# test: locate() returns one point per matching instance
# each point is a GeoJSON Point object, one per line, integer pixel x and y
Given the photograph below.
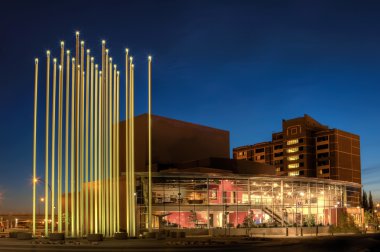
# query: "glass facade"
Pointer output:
{"type": "Point", "coordinates": [203, 201]}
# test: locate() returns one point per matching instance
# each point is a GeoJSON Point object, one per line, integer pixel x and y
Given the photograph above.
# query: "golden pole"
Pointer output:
{"type": "Point", "coordinates": [102, 139]}
{"type": "Point", "coordinates": [150, 142]}
{"type": "Point", "coordinates": [130, 149]}
{"type": "Point", "coordinates": [53, 148]}
{"type": "Point", "coordinates": [100, 148]}
{"type": "Point", "coordinates": [106, 219]}
{"type": "Point", "coordinates": [110, 150]}
{"type": "Point", "coordinates": [47, 144]}
{"type": "Point", "coordinates": [78, 74]}
{"type": "Point", "coordinates": [117, 153]}
{"type": "Point", "coordinates": [114, 148]}
{"type": "Point", "coordinates": [87, 111]}
{"type": "Point", "coordinates": [59, 148]}
{"type": "Point", "coordinates": [60, 112]}
{"type": "Point", "coordinates": [126, 142]}
{"type": "Point", "coordinates": [92, 147]}
{"type": "Point", "coordinates": [72, 157]}
{"type": "Point", "coordinates": [35, 143]}
{"type": "Point", "coordinates": [67, 144]}
{"type": "Point", "coordinates": [96, 166]}
{"type": "Point", "coordinates": [82, 155]}
{"type": "Point", "coordinates": [133, 217]}
{"type": "Point", "coordinates": [77, 151]}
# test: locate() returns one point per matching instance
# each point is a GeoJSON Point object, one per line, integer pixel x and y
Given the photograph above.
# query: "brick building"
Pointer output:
{"type": "Point", "coordinates": [307, 148]}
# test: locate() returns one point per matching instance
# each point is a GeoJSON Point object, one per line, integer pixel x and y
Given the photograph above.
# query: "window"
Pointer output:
{"type": "Point", "coordinates": [292, 158]}
{"type": "Point", "coordinates": [324, 171]}
{"type": "Point", "coordinates": [302, 164]}
{"type": "Point", "coordinates": [259, 150]}
{"type": "Point", "coordinates": [322, 147]}
{"type": "Point", "coordinates": [293, 166]}
{"type": "Point", "coordinates": [241, 153]}
{"type": "Point", "coordinates": [322, 138]}
{"type": "Point", "coordinates": [278, 147]}
{"type": "Point", "coordinates": [302, 172]}
{"type": "Point", "coordinates": [278, 154]}
{"type": "Point", "coordinates": [292, 141]}
{"type": "Point", "coordinates": [277, 162]}
{"type": "Point", "coordinates": [292, 150]}
{"type": "Point", "coordinates": [323, 155]}
{"type": "Point", "coordinates": [261, 157]}
{"type": "Point", "coordinates": [301, 156]}
{"type": "Point", "coordinates": [293, 131]}
{"type": "Point", "coordinates": [293, 173]}
{"type": "Point", "coordinates": [323, 163]}
{"type": "Point", "coordinates": [300, 140]}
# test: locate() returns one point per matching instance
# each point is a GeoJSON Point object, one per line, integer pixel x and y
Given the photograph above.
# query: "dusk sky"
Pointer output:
{"type": "Point", "coordinates": [241, 66]}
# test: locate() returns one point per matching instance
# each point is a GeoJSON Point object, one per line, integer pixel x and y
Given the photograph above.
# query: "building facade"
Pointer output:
{"type": "Point", "coordinates": [191, 199]}
{"type": "Point", "coordinates": [309, 149]}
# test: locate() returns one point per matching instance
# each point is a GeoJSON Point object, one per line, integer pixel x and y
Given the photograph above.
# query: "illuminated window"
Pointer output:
{"type": "Point", "coordinates": [291, 142]}
{"type": "Point", "coordinates": [292, 150]}
{"type": "Point", "coordinates": [292, 158]}
{"type": "Point", "coordinates": [293, 173]}
{"type": "Point", "coordinates": [292, 166]}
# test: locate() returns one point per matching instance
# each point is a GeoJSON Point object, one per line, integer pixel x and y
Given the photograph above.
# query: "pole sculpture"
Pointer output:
{"type": "Point", "coordinates": [150, 141]}
{"type": "Point", "coordinates": [35, 143]}
{"type": "Point", "coordinates": [47, 144]}
{"type": "Point", "coordinates": [88, 144]}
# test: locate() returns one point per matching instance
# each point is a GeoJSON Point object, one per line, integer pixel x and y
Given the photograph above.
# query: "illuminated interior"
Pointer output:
{"type": "Point", "coordinates": [201, 201]}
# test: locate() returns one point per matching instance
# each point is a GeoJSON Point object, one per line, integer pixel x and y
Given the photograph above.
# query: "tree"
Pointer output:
{"type": "Point", "coordinates": [364, 201]}
{"type": "Point", "coordinates": [370, 203]}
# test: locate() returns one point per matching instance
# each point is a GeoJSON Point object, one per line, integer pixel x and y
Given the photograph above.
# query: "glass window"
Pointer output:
{"type": "Point", "coordinates": [292, 158]}
{"type": "Point", "coordinates": [292, 166]}
{"type": "Point", "coordinates": [292, 150]}
{"type": "Point", "coordinates": [292, 141]}
{"type": "Point", "coordinates": [293, 173]}
{"type": "Point", "coordinates": [322, 138]}
{"type": "Point", "coordinates": [322, 147]}
{"type": "Point", "coordinates": [259, 150]}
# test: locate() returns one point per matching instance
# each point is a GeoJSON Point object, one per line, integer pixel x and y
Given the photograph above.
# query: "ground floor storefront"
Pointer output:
{"type": "Point", "coordinates": [212, 201]}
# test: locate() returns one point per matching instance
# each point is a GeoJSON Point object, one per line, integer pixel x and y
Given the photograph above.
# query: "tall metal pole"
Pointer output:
{"type": "Point", "coordinates": [100, 151]}
{"type": "Point", "coordinates": [110, 148]}
{"type": "Point", "coordinates": [53, 147]}
{"type": "Point", "coordinates": [35, 143]}
{"type": "Point", "coordinates": [47, 144]}
{"type": "Point", "coordinates": [60, 112]}
{"type": "Point", "coordinates": [114, 148]}
{"type": "Point", "coordinates": [81, 175]}
{"type": "Point", "coordinates": [101, 139]}
{"type": "Point", "coordinates": [72, 156]}
{"type": "Point", "coordinates": [106, 177]}
{"type": "Point", "coordinates": [77, 178]}
{"type": "Point", "coordinates": [67, 143]}
{"type": "Point", "coordinates": [133, 217]}
{"type": "Point", "coordinates": [77, 159]}
{"type": "Point", "coordinates": [96, 163]}
{"type": "Point", "coordinates": [117, 152]}
{"type": "Point", "coordinates": [59, 189]}
{"type": "Point", "coordinates": [126, 141]}
{"type": "Point", "coordinates": [130, 171]}
{"type": "Point", "coordinates": [87, 125]}
{"type": "Point", "coordinates": [92, 147]}
{"type": "Point", "coordinates": [150, 141]}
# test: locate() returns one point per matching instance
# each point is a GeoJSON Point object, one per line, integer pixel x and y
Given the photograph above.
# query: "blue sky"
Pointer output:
{"type": "Point", "coordinates": [242, 66]}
